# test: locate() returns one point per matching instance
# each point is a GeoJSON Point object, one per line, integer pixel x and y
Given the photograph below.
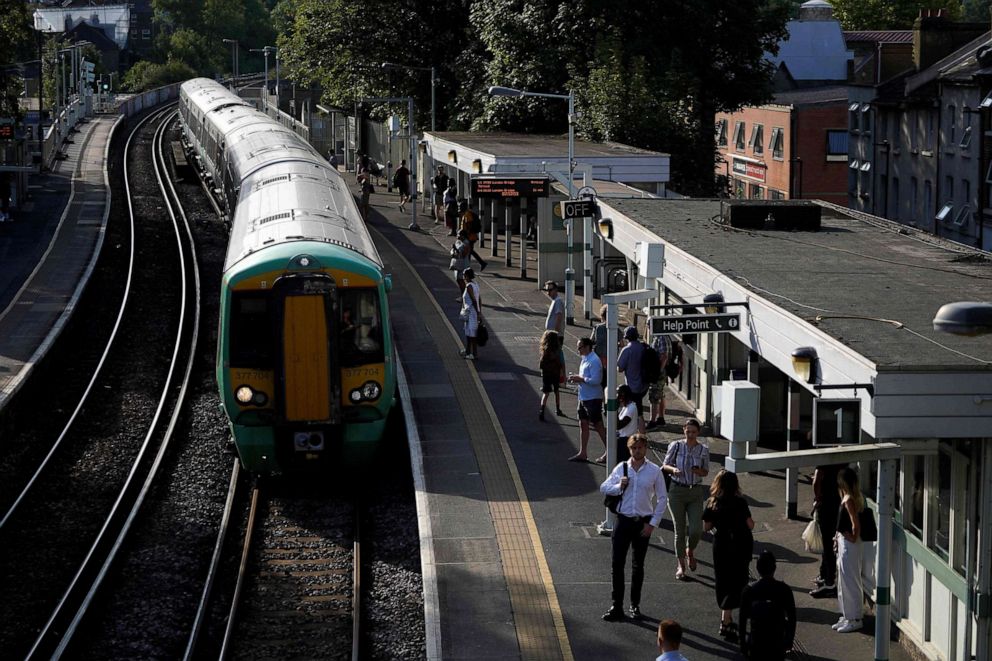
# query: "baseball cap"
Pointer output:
{"type": "Point", "coordinates": [549, 285]}
{"type": "Point", "coordinates": [630, 333]}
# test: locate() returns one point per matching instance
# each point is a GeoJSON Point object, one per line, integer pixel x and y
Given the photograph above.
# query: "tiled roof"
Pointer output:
{"type": "Point", "coordinates": [880, 36]}
{"type": "Point", "coordinates": [811, 95]}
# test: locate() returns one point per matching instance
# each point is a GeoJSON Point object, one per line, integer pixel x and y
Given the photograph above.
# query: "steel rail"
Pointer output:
{"type": "Point", "coordinates": [225, 648]}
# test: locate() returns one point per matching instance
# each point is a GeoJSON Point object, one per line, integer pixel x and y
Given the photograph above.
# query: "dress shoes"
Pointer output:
{"type": "Point", "coordinates": [615, 614]}
{"type": "Point", "coordinates": [635, 612]}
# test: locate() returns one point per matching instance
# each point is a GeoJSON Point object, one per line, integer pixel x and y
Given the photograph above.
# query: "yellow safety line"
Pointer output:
{"type": "Point", "coordinates": [535, 536]}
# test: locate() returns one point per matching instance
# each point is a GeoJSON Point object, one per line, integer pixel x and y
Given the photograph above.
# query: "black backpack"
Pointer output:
{"type": "Point", "coordinates": [650, 365]}
{"type": "Point", "coordinates": [674, 364]}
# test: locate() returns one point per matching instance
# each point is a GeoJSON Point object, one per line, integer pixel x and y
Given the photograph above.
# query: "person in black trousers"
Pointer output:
{"type": "Point", "coordinates": [728, 512]}
{"type": "Point", "coordinates": [826, 501]}
{"type": "Point", "coordinates": [768, 614]}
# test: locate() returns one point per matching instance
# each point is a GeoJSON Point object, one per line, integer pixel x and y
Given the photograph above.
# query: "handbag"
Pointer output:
{"type": "Point", "coordinates": [613, 502]}
{"type": "Point", "coordinates": [481, 335]}
{"type": "Point", "coordinates": [812, 538]}
{"type": "Point", "coordinates": [668, 476]}
{"type": "Point", "coordinates": [869, 531]}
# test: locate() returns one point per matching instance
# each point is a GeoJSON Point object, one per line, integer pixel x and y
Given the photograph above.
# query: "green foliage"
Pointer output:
{"type": "Point", "coordinates": [149, 75]}
{"type": "Point", "coordinates": [16, 41]}
{"type": "Point", "coordinates": [889, 14]}
{"type": "Point", "coordinates": [195, 50]}
{"type": "Point", "coordinates": [976, 11]}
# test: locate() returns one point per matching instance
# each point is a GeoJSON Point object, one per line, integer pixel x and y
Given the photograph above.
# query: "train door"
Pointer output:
{"type": "Point", "coordinates": [309, 382]}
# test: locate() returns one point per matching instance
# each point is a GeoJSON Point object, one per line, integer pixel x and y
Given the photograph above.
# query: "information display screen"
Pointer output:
{"type": "Point", "coordinates": [6, 131]}
{"type": "Point", "coordinates": [510, 187]}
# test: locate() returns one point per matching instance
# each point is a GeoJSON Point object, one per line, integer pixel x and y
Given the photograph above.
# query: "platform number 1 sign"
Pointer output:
{"type": "Point", "coordinates": [836, 422]}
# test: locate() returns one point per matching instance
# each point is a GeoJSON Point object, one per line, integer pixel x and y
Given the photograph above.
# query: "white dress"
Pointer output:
{"type": "Point", "coordinates": [469, 313]}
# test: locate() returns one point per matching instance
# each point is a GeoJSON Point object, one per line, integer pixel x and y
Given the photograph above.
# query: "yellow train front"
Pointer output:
{"type": "Point", "coordinates": [305, 362]}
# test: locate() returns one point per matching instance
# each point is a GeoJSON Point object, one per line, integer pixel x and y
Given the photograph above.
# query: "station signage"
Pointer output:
{"type": "Point", "coordinates": [577, 208]}
{"type": "Point", "coordinates": [836, 422]}
{"type": "Point", "coordinates": [6, 128]}
{"type": "Point", "coordinates": [749, 169]}
{"type": "Point", "coordinates": [510, 187]}
{"type": "Point", "coordinates": [696, 323]}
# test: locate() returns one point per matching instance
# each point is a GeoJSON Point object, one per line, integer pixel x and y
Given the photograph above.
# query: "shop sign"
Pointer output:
{"type": "Point", "coordinates": [748, 169]}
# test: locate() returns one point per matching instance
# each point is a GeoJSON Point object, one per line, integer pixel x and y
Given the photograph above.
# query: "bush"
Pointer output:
{"type": "Point", "coordinates": [149, 75]}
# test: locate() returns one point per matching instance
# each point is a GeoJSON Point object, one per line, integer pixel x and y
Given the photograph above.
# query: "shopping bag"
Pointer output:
{"type": "Point", "coordinates": [813, 538]}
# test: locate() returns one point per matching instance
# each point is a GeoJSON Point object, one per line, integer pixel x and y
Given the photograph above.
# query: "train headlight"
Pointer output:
{"type": "Point", "coordinates": [371, 390]}
{"type": "Point", "coordinates": [355, 395]}
{"type": "Point", "coordinates": [244, 394]}
{"type": "Point", "coordinates": [260, 399]}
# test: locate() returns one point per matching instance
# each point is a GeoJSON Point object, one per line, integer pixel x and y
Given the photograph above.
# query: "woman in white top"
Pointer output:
{"type": "Point", "coordinates": [471, 313]}
{"type": "Point", "coordinates": [626, 421]}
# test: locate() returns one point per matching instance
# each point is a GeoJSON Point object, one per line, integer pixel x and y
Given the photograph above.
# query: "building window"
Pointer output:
{"type": "Point", "coordinates": [945, 212]}
{"type": "Point", "coordinates": [931, 122]}
{"type": "Point", "coordinates": [964, 213]}
{"type": "Point", "coordinates": [966, 138]}
{"type": "Point", "coordinates": [895, 198]}
{"type": "Point", "coordinates": [883, 126]}
{"type": "Point", "coordinates": [777, 143]}
{"type": "Point", "coordinates": [949, 188]}
{"type": "Point", "coordinates": [739, 135]}
{"type": "Point", "coordinates": [775, 194]}
{"type": "Point", "coordinates": [941, 504]}
{"type": "Point", "coordinates": [146, 34]}
{"type": "Point", "coordinates": [914, 130]}
{"type": "Point", "coordinates": [912, 198]}
{"type": "Point", "coordinates": [757, 139]}
{"type": "Point", "coordinates": [913, 516]}
{"type": "Point", "coordinates": [836, 145]}
{"type": "Point", "coordinates": [756, 192]}
{"type": "Point", "coordinates": [866, 118]}
{"type": "Point", "coordinates": [721, 133]}
{"type": "Point", "coordinates": [854, 121]}
{"type": "Point", "coordinates": [739, 189]}
{"type": "Point", "coordinates": [952, 125]}
{"type": "Point", "coordinates": [927, 198]}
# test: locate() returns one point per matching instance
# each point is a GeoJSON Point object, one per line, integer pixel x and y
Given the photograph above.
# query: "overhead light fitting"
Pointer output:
{"type": "Point", "coordinates": [713, 303]}
{"type": "Point", "coordinates": [964, 318]}
{"type": "Point", "coordinates": [605, 226]}
{"type": "Point", "coordinates": [477, 166]}
{"type": "Point", "coordinates": [453, 156]}
{"type": "Point", "coordinates": [804, 363]}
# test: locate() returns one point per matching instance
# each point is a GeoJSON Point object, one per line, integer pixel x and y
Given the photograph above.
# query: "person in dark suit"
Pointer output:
{"type": "Point", "coordinates": [768, 614]}
{"type": "Point", "coordinates": [728, 512]}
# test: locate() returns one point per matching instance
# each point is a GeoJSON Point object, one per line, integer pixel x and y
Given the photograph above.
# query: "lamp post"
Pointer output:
{"type": "Point", "coordinates": [234, 59]}
{"type": "Point", "coordinates": [265, 52]}
{"type": "Point", "coordinates": [393, 65]}
{"type": "Point", "coordinates": [569, 271]}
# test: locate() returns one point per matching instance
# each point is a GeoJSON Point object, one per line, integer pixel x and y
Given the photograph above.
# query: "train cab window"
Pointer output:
{"type": "Point", "coordinates": [252, 336]}
{"type": "Point", "coordinates": [360, 327]}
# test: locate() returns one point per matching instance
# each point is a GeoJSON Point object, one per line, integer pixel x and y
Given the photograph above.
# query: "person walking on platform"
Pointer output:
{"type": "Point", "coordinates": [826, 501]}
{"type": "Point", "coordinates": [590, 409]}
{"type": "Point", "coordinates": [728, 513]}
{"type": "Point", "coordinates": [669, 641]}
{"type": "Point", "coordinates": [768, 615]}
{"type": "Point", "coordinates": [629, 363]}
{"type": "Point", "coordinates": [656, 391]}
{"type": "Point", "coordinates": [367, 190]}
{"type": "Point", "coordinates": [688, 462]}
{"type": "Point", "coordinates": [556, 318]}
{"type": "Point", "coordinates": [333, 160]}
{"type": "Point", "coordinates": [638, 482]}
{"type": "Point", "coordinates": [550, 370]}
{"type": "Point", "coordinates": [459, 261]}
{"type": "Point", "coordinates": [439, 185]}
{"type": "Point", "coordinates": [471, 314]}
{"type": "Point", "coordinates": [451, 208]}
{"type": "Point", "coordinates": [626, 421]}
{"type": "Point", "coordinates": [401, 179]}
{"type": "Point", "coordinates": [850, 553]}
{"type": "Point", "coordinates": [472, 226]}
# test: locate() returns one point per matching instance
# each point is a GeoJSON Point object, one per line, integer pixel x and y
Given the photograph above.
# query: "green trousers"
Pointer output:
{"type": "Point", "coordinates": [686, 508]}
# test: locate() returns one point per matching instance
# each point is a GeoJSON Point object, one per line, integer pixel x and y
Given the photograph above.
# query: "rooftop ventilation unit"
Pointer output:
{"type": "Point", "coordinates": [784, 215]}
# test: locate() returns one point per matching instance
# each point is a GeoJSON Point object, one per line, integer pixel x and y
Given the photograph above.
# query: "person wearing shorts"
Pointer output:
{"type": "Point", "coordinates": [656, 391]}
{"type": "Point", "coordinates": [590, 409]}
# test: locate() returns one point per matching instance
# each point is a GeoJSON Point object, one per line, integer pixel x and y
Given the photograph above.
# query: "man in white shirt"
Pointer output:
{"type": "Point", "coordinates": [636, 520]}
{"type": "Point", "coordinates": [669, 640]}
{"type": "Point", "coordinates": [626, 421]}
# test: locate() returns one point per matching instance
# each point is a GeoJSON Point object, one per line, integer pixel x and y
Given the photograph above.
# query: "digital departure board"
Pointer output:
{"type": "Point", "coordinates": [6, 131]}
{"type": "Point", "coordinates": [510, 187]}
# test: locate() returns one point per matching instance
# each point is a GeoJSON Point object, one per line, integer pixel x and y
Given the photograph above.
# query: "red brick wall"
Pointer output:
{"type": "Point", "coordinates": [776, 171]}
{"type": "Point", "coordinates": [821, 179]}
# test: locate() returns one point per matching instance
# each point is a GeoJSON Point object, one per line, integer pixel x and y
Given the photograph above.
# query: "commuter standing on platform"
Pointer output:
{"type": "Point", "coordinates": [440, 185]}
{"type": "Point", "coordinates": [590, 410]}
{"type": "Point", "coordinates": [688, 462]}
{"type": "Point", "coordinates": [728, 512]}
{"type": "Point", "coordinates": [472, 314]}
{"type": "Point", "coordinates": [550, 371]}
{"type": "Point", "coordinates": [768, 614]}
{"type": "Point", "coordinates": [401, 179]}
{"type": "Point", "coordinates": [451, 208]}
{"type": "Point", "coordinates": [850, 553]}
{"type": "Point", "coordinates": [556, 319]}
{"type": "Point", "coordinates": [472, 226]}
{"type": "Point", "coordinates": [826, 501]}
{"type": "Point", "coordinates": [626, 421]}
{"type": "Point", "coordinates": [656, 391]}
{"type": "Point", "coordinates": [669, 640]}
{"type": "Point", "coordinates": [629, 362]}
{"type": "Point", "coordinates": [637, 518]}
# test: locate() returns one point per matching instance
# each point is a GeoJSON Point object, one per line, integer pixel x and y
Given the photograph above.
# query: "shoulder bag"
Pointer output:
{"type": "Point", "coordinates": [613, 502]}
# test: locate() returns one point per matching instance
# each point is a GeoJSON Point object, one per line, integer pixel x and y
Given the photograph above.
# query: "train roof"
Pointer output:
{"type": "Point", "coordinates": [297, 200]}
{"type": "Point", "coordinates": [208, 95]}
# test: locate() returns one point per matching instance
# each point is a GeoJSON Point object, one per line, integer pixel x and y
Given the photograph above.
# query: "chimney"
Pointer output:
{"type": "Point", "coordinates": [935, 36]}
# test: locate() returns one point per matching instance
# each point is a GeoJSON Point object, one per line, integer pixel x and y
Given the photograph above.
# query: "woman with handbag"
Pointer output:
{"type": "Point", "coordinates": [850, 551]}
{"type": "Point", "coordinates": [460, 251]}
{"type": "Point", "coordinates": [728, 512]}
{"type": "Point", "coordinates": [471, 314]}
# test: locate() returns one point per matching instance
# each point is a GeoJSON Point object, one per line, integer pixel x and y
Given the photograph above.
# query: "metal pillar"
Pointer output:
{"type": "Point", "coordinates": [570, 271]}
{"type": "Point", "coordinates": [883, 549]}
{"type": "Point", "coordinates": [494, 248]}
{"type": "Point", "coordinates": [508, 233]}
{"type": "Point", "coordinates": [753, 366]}
{"type": "Point", "coordinates": [413, 164]}
{"type": "Point", "coordinates": [523, 237]}
{"type": "Point", "coordinates": [791, 445]}
{"type": "Point", "coordinates": [587, 293]}
{"type": "Point", "coordinates": [482, 221]}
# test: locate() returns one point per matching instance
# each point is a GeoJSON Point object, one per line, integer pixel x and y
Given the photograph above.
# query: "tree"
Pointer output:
{"type": "Point", "coordinates": [196, 51]}
{"type": "Point", "coordinates": [889, 14]}
{"type": "Point", "coordinates": [149, 75]}
{"type": "Point", "coordinates": [976, 11]}
{"type": "Point", "coordinates": [15, 42]}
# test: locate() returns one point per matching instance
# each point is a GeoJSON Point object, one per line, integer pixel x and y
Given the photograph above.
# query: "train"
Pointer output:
{"type": "Point", "coordinates": [305, 359]}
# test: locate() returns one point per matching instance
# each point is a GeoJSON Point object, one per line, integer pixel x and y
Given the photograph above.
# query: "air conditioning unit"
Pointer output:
{"type": "Point", "coordinates": [739, 409]}
{"type": "Point", "coordinates": [786, 215]}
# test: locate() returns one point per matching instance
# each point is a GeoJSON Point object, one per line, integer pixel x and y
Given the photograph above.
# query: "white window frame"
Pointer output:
{"type": "Point", "coordinates": [721, 134]}
{"type": "Point", "coordinates": [965, 138]}
{"type": "Point", "coordinates": [945, 211]}
{"type": "Point", "coordinates": [962, 216]}
{"type": "Point", "coordinates": [776, 143]}
{"type": "Point", "coordinates": [756, 143]}
{"type": "Point", "coordinates": [739, 143]}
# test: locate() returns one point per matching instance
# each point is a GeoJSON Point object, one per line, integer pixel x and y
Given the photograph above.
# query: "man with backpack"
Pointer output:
{"type": "Point", "coordinates": [662, 345]}
{"type": "Point", "coordinates": [768, 614]}
{"type": "Point", "coordinates": [630, 362]}
{"type": "Point", "coordinates": [472, 226]}
{"type": "Point", "coordinates": [440, 185]}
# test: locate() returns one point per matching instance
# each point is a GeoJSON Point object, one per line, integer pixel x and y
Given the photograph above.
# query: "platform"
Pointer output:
{"type": "Point", "coordinates": [49, 250]}
{"type": "Point", "coordinates": [520, 570]}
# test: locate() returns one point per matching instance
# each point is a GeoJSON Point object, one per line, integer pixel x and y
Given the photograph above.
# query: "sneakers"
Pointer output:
{"type": "Point", "coordinates": [635, 612]}
{"type": "Point", "coordinates": [824, 591]}
{"type": "Point", "coordinates": [850, 626]}
{"type": "Point", "coordinates": [839, 623]}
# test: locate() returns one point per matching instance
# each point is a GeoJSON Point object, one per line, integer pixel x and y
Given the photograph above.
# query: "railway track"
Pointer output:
{"type": "Point", "coordinates": [297, 593]}
{"type": "Point", "coordinates": [85, 514]}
